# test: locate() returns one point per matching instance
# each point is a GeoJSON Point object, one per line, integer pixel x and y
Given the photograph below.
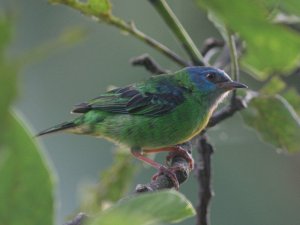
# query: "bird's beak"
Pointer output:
{"type": "Point", "coordinates": [229, 85]}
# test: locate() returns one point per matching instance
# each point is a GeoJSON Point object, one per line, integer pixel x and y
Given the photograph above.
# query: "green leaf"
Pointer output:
{"type": "Point", "coordinates": [5, 29]}
{"type": "Point", "coordinates": [291, 6]}
{"type": "Point", "coordinates": [100, 6]}
{"type": "Point", "coordinates": [274, 86]}
{"type": "Point", "coordinates": [266, 43]}
{"type": "Point", "coordinates": [293, 98]}
{"type": "Point", "coordinates": [8, 74]}
{"type": "Point", "coordinates": [116, 179]}
{"type": "Point", "coordinates": [26, 186]}
{"type": "Point", "coordinates": [114, 183]}
{"type": "Point", "coordinates": [149, 208]}
{"type": "Point", "coordinates": [8, 77]}
{"type": "Point", "coordinates": [275, 120]}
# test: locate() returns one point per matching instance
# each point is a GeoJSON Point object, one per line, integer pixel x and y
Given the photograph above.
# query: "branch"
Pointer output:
{"type": "Point", "coordinates": [182, 171]}
{"type": "Point", "coordinates": [150, 64]}
{"type": "Point", "coordinates": [223, 60]}
{"type": "Point", "coordinates": [130, 28]}
{"type": "Point", "coordinates": [211, 43]}
{"type": "Point", "coordinates": [236, 105]}
{"type": "Point", "coordinates": [174, 24]}
{"type": "Point", "coordinates": [78, 220]}
{"type": "Point", "coordinates": [205, 150]}
{"type": "Point", "coordinates": [210, 47]}
{"type": "Point", "coordinates": [203, 173]}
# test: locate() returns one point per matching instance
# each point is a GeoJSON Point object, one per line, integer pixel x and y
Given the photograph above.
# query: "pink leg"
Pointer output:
{"type": "Point", "coordinates": [157, 150]}
{"type": "Point", "coordinates": [174, 151]}
{"type": "Point", "coordinates": [150, 162]}
{"type": "Point", "coordinates": [161, 169]}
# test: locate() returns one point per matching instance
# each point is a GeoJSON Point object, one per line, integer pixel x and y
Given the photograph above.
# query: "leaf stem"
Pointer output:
{"type": "Point", "coordinates": [174, 24]}
{"type": "Point", "coordinates": [130, 28]}
{"type": "Point", "coordinates": [234, 65]}
{"type": "Point", "coordinates": [234, 57]}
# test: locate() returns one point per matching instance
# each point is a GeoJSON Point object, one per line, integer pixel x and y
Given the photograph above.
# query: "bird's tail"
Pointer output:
{"type": "Point", "coordinates": [59, 127]}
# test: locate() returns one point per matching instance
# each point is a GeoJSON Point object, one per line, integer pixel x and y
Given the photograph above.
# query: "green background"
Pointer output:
{"type": "Point", "coordinates": [253, 184]}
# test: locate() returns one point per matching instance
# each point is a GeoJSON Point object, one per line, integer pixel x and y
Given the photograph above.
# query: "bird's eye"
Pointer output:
{"type": "Point", "coordinates": [211, 76]}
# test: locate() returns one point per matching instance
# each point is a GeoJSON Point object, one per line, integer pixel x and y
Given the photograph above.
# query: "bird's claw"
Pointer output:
{"type": "Point", "coordinates": [170, 173]}
{"type": "Point", "coordinates": [180, 151]}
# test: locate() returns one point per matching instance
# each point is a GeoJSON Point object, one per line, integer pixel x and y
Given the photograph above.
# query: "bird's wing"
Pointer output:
{"type": "Point", "coordinates": [148, 100]}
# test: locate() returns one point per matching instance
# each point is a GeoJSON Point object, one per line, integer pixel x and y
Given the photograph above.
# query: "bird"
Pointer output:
{"type": "Point", "coordinates": [154, 115]}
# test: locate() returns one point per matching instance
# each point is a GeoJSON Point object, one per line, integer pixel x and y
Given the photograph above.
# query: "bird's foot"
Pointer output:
{"type": "Point", "coordinates": [180, 151]}
{"type": "Point", "coordinates": [169, 172]}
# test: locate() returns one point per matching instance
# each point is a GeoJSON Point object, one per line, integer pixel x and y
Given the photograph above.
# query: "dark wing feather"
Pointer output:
{"type": "Point", "coordinates": [136, 100]}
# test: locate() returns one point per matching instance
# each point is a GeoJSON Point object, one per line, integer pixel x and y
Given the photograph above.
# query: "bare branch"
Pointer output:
{"type": "Point", "coordinates": [130, 28]}
{"type": "Point", "coordinates": [150, 64]}
{"type": "Point", "coordinates": [211, 43]}
{"type": "Point", "coordinates": [236, 105]}
{"type": "Point", "coordinates": [78, 220]}
{"type": "Point", "coordinates": [203, 173]}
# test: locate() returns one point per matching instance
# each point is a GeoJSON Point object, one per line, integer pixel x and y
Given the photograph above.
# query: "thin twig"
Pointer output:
{"type": "Point", "coordinates": [203, 173]}
{"type": "Point", "coordinates": [223, 59]}
{"type": "Point", "coordinates": [174, 24]}
{"type": "Point", "coordinates": [236, 105]}
{"type": "Point", "coordinates": [150, 64]}
{"type": "Point", "coordinates": [211, 43]}
{"type": "Point", "coordinates": [126, 27]}
{"type": "Point", "coordinates": [78, 220]}
{"type": "Point", "coordinates": [205, 151]}
{"type": "Point", "coordinates": [211, 47]}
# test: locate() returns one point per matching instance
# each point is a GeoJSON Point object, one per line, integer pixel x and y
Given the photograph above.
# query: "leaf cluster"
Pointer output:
{"type": "Point", "coordinates": [271, 56]}
{"type": "Point", "coordinates": [26, 189]}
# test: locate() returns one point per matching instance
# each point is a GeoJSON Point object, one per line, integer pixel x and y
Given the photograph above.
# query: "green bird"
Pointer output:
{"type": "Point", "coordinates": [155, 115]}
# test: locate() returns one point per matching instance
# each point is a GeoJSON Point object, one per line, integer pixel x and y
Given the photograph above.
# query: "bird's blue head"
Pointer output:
{"type": "Point", "coordinates": [210, 80]}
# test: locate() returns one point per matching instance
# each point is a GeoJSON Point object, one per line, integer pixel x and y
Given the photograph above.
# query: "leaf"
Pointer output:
{"type": "Point", "coordinates": [149, 208]}
{"type": "Point", "coordinates": [291, 6]}
{"type": "Point", "coordinates": [100, 6]}
{"type": "Point", "coordinates": [274, 86]}
{"type": "Point", "coordinates": [8, 75]}
{"type": "Point", "coordinates": [275, 121]}
{"type": "Point", "coordinates": [5, 29]}
{"type": "Point", "coordinates": [26, 185]}
{"type": "Point", "coordinates": [116, 179]}
{"type": "Point", "coordinates": [114, 183]}
{"type": "Point", "coordinates": [266, 48]}
{"type": "Point", "coordinates": [292, 96]}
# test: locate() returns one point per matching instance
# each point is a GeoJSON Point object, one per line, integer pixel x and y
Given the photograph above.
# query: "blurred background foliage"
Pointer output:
{"type": "Point", "coordinates": [253, 183]}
